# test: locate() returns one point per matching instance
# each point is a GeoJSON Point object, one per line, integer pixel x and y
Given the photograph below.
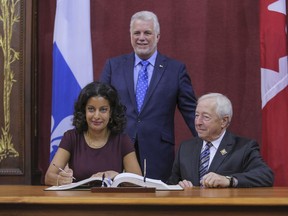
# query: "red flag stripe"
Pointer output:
{"type": "Point", "coordinates": [274, 87]}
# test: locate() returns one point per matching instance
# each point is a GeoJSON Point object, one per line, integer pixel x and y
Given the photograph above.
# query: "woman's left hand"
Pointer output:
{"type": "Point", "coordinates": [108, 174]}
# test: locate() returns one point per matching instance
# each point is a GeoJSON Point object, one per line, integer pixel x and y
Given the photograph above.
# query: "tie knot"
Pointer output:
{"type": "Point", "coordinates": [208, 145]}
{"type": "Point", "coordinates": [144, 63]}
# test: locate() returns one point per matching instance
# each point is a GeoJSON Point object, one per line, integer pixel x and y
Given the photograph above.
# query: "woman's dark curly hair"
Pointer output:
{"type": "Point", "coordinates": [117, 120]}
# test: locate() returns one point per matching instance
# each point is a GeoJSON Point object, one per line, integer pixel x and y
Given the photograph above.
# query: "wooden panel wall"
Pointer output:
{"type": "Point", "coordinates": [16, 86]}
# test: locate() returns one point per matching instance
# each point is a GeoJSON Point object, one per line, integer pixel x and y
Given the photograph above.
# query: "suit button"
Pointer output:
{"type": "Point", "coordinates": [139, 120]}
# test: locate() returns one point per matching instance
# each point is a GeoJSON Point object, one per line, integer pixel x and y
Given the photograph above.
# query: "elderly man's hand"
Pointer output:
{"type": "Point", "coordinates": [214, 180]}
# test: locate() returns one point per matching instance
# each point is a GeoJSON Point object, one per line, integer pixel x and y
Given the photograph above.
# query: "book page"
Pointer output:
{"type": "Point", "coordinates": [75, 184]}
{"type": "Point", "coordinates": [139, 181]}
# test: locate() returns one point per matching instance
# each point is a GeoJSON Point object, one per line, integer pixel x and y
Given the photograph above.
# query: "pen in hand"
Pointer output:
{"type": "Point", "coordinates": [59, 168]}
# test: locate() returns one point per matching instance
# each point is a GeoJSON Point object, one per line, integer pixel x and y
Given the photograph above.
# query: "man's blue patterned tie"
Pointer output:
{"type": "Point", "coordinates": [142, 85]}
{"type": "Point", "coordinates": [204, 160]}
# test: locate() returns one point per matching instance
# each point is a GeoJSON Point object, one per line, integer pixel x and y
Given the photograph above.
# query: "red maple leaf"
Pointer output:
{"type": "Point", "coordinates": [273, 42]}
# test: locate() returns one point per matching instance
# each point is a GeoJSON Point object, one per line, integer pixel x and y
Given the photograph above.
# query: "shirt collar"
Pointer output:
{"type": "Point", "coordinates": [216, 142]}
{"type": "Point", "coordinates": [151, 60]}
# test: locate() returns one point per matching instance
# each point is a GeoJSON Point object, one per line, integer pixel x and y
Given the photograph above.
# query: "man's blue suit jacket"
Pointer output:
{"type": "Point", "coordinates": [153, 127]}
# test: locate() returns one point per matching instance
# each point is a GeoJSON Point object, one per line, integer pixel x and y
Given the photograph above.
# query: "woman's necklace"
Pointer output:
{"type": "Point", "coordinates": [94, 144]}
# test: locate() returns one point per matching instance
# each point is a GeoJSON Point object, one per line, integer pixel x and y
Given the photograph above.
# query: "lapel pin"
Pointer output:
{"type": "Point", "coordinates": [161, 66]}
{"type": "Point", "coordinates": [223, 151]}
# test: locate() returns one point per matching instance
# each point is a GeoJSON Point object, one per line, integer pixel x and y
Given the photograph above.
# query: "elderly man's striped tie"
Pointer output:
{"type": "Point", "coordinates": [204, 160]}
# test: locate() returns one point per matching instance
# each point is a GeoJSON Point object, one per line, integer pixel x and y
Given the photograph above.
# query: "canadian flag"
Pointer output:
{"type": "Point", "coordinates": [274, 87]}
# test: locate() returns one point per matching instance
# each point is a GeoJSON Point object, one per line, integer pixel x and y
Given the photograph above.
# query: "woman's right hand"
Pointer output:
{"type": "Point", "coordinates": [65, 177]}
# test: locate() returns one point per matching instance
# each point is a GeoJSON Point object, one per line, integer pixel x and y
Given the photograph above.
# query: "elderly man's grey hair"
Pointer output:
{"type": "Point", "coordinates": [223, 104]}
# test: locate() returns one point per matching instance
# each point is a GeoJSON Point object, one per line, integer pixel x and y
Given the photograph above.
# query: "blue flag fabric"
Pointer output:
{"type": "Point", "coordinates": [72, 64]}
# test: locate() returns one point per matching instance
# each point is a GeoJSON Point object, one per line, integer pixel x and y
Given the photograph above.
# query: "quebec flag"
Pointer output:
{"type": "Point", "coordinates": [72, 64]}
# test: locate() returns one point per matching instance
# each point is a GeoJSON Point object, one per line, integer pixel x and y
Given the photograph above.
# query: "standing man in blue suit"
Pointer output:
{"type": "Point", "coordinates": [151, 123]}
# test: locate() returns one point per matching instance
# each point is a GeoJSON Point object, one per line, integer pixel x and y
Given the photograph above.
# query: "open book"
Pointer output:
{"type": "Point", "coordinates": [122, 178]}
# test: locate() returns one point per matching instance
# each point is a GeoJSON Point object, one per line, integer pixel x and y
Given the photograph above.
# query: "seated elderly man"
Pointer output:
{"type": "Point", "coordinates": [218, 158]}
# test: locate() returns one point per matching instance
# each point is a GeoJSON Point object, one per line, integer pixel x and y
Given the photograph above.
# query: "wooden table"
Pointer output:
{"type": "Point", "coordinates": [33, 200]}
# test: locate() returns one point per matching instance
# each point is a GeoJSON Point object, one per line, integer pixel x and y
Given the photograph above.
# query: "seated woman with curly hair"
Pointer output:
{"type": "Point", "coordinates": [96, 145]}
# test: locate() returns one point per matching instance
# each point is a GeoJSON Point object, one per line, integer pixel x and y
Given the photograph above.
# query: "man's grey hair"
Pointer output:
{"type": "Point", "coordinates": [223, 104]}
{"type": "Point", "coordinates": [146, 16]}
